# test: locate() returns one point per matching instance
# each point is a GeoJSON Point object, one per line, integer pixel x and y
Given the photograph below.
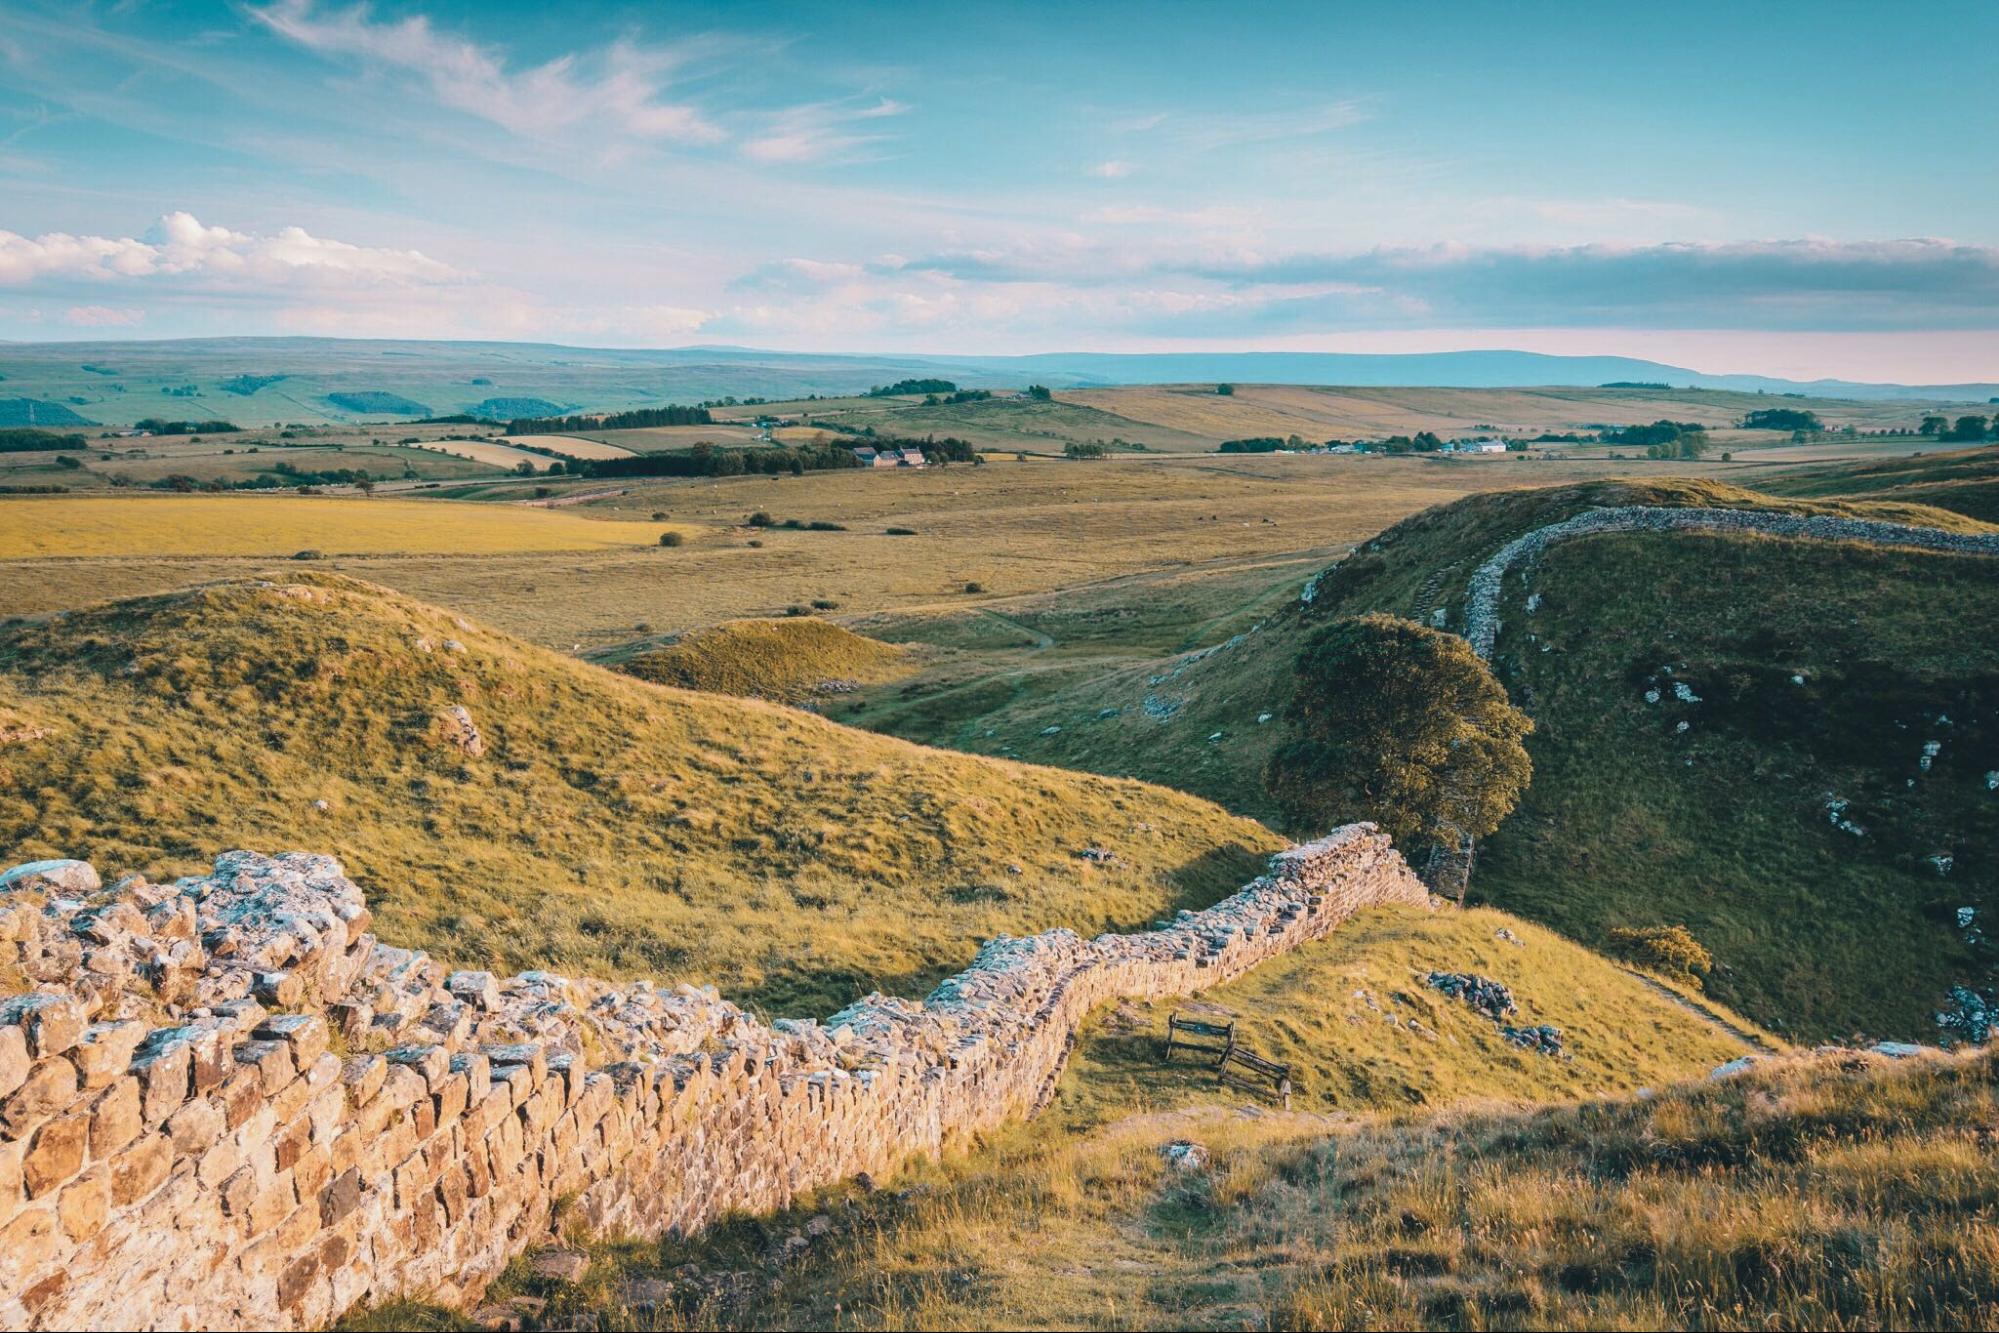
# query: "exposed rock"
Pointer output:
{"type": "Point", "coordinates": [1185, 1155]}
{"type": "Point", "coordinates": [459, 730]}
{"type": "Point", "coordinates": [70, 878]}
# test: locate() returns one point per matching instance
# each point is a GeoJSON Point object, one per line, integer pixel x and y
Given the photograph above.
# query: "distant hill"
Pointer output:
{"type": "Point", "coordinates": [321, 376]}
{"type": "Point", "coordinates": [36, 412]}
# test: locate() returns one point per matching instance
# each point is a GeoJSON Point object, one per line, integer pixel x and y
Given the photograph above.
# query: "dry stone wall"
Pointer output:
{"type": "Point", "coordinates": [224, 1104]}
{"type": "Point", "coordinates": [1483, 592]}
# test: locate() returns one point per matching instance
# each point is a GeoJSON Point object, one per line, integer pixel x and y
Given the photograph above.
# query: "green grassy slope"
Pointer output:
{"type": "Point", "coordinates": [1965, 481]}
{"type": "Point", "coordinates": [1821, 672]}
{"type": "Point", "coordinates": [610, 825]}
{"type": "Point", "coordinates": [1813, 927]}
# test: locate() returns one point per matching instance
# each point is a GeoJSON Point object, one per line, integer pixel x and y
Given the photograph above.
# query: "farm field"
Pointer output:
{"type": "Point", "coordinates": [64, 527]}
{"type": "Point", "coordinates": [663, 439]}
{"type": "Point", "coordinates": [574, 446]}
{"type": "Point", "coordinates": [1014, 528]}
{"type": "Point", "coordinates": [502, 456]}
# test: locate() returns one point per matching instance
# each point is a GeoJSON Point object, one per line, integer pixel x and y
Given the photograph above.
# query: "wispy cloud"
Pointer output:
{"type": "Point", "coordinates": [820, 132]}
{"type": "Point", "coordinates": [1204, 132]}
{"type": "Point", "coordinates": [621, 86]}
{"type": "Point", "coordinates": [1116, 169]}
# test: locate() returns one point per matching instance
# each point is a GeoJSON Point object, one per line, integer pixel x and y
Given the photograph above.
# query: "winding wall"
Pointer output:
{"type": "Point", "coordinates": [223, 1104]}
{"type": "Point", "coordinates": [1482, 593]}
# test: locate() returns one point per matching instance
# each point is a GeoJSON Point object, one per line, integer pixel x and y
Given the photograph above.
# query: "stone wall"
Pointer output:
{"type": "Point", "coordinates": [1482, 593]}
{"type": "Point", "coordinates": [224, 1104]}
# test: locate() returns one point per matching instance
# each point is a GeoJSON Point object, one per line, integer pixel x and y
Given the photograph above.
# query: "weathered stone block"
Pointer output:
{"type": "Point", "coordinates": [49, 1088]}
{"type": "Point", "coordinates": [141, 1169]}
{"type": "Point", "coordinates": [105, 1050]}
{"type": "Point", "coordinates": [115, 1117]}
{"type": "Point", "coordinates": [55, 1154]}
{"type": "Point", "coordinates": [14, 1059]}
{"type": "Point", "coordinates": [51, 1023]}
{"type": "Point", "coordinates": [85, 1204]}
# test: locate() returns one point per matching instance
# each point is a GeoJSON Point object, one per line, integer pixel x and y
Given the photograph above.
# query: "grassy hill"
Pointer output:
{"type": "Point", "coordinates": [1726, 828]}
{"type": "Point", "coordinates": [1964, 480]}
{"type": "Point", "coordinates": [791, 660]}
{"type": "Point", "coordinates": [604, 823]}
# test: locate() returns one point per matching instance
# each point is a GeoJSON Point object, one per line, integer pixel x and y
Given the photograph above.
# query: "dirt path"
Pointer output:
{"type": "Point", "coordinates": [1749, 1038]}
{"type": "Point", "coordinates": [1041, 642]}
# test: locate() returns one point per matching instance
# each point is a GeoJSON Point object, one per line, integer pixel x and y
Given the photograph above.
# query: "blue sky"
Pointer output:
{"type": "Point", "coordinates": [1738, 187]}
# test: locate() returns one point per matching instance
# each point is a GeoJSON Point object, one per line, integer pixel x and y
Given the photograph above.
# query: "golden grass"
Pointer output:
{"type": "Point", "coordinates": [1020, 529]}
{"type": "Point", "coordinates": [485, 451]}
{"type": "Point", "coordinates": [791, 660]}
{"type": "Point", "coordinates": [611, 826]}
{"type": "Point", "coordinates": [269, 525]}
{"type": "Point", "coordinates": [574, 446]}
{"type": "Point", "coordinates": [1839, 1191]}
{"type": "Point", "coordinates": [1354, 1015]}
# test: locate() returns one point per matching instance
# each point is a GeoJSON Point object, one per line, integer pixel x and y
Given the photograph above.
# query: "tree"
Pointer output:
{"type": "Point", "coordinates": [1403, 725]}
{"type": "Point", "coordinates": [1039, 393]}
{"type": "Point", "coordinates": [1933, 425]}
{"type": "Point", "coordinates": [1225, 390]}
{"type": "Point", "coordinates": [1967, 428]}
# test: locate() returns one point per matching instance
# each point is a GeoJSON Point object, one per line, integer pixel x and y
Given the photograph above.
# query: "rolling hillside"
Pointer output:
{"type": "Point", "coordinates": [1727, 827]}
{"type": "Point", "coordinates": [568, 817]}
{"type": "Point", "coordinates": [1965, 481]}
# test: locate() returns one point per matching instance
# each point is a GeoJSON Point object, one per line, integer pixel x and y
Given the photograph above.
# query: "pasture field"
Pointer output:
{"type": "Point", "coordinates": [1353, 413]}
{"type": "Point", "coordinates": [665, 439]}
{"type": "Point", "coordinates": [1014, 528]}
{"type": "Point", "coordinates": [66, 527]}
{"type": "Point", "coordinates": [502, 456]}
{"type": "Point", "coordinates": [574, 446]}
{"type": "Point", "coordinates": [110, 464]}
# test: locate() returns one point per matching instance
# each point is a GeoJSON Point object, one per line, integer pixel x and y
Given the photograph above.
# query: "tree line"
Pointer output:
{"type": "Point", "coordinates": [638, 419]}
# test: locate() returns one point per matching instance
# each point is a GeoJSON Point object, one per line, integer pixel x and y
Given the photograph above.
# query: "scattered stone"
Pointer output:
{"type": "Point", "coordinates": [1489, 997]}
{"type": "Point", "coordinates": [1051, 731]}
{"type": "Point", "coordinates": [1969, 1018]}
{"type": "Point", "coordinates": [460, 730]}
{"type": "Point", "coordinates": [560, 1265]}
{"type": "Point", "coordinates": [1185, 1155]}
{"type": "Point", "coordinates": [1685, 692]}
{"type": "Point", "coordinates": [71, 879]}
{"type": "Point", "coordinates": [1896, 1050]}
{"type": "Point", "coordinates": [1741, 1064]}
{"type": "Point", "coordinates": [1262, 718]}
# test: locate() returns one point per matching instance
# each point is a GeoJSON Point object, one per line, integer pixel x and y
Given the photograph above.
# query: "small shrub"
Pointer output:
{"type": "Point", "coordinates": [975, 587]}
{"type": "Point", "coordinates": [755, 543]}
{"type": "Point", "coordinates": [672, 539]}
{"type": "Point", "coordinates": [659, 516]}
{"type": "Point", "coordinates": [820, 525]}
{"type": "Point", "coordinates": [825, 604]}
{"type": "Point", "coordinates": [760, 519]}
{"type": "Point", "coordinates": [798, 610]}
{"type": "Point", "coordinates": [901, 532]}
{"type": "Point", "coordinates": [309, 555]}
{"type": "Point", "coordinates": [1669, 949]}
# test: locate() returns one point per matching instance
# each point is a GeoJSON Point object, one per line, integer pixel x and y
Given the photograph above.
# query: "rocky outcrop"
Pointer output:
{"type": "Point", "coordinates": [1482, 594]}
{"type": "Point", "coordinates": [224, 1104]}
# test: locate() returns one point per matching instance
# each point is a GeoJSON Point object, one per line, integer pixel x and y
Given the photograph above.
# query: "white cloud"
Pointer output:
{"type": "Point", "coordinates": [179, 245]}
{"type": "Point", "coordinates": [619, 86]}
{"type": "Point", "coordinates": [1113, 170]}
{"type": "Point", "coordinates": [103, 317]}
{"type": "Point", "coordinates": [819, 132]}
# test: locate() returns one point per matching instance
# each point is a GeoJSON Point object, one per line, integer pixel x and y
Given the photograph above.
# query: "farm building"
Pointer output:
{"type": "Point", "coordinates": [871, 457]}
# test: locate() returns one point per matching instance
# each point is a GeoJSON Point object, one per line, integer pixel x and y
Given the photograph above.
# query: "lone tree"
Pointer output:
{"type": "Point", "coordinates": [1403, 725]}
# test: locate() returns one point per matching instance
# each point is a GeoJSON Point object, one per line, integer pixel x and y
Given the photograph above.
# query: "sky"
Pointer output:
{"type": "Point", "coordinates": [1734, 187]}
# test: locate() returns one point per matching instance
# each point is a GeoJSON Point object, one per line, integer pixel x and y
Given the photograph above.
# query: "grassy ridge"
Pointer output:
{"type": "Point", "coordinates": [610, 825]}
